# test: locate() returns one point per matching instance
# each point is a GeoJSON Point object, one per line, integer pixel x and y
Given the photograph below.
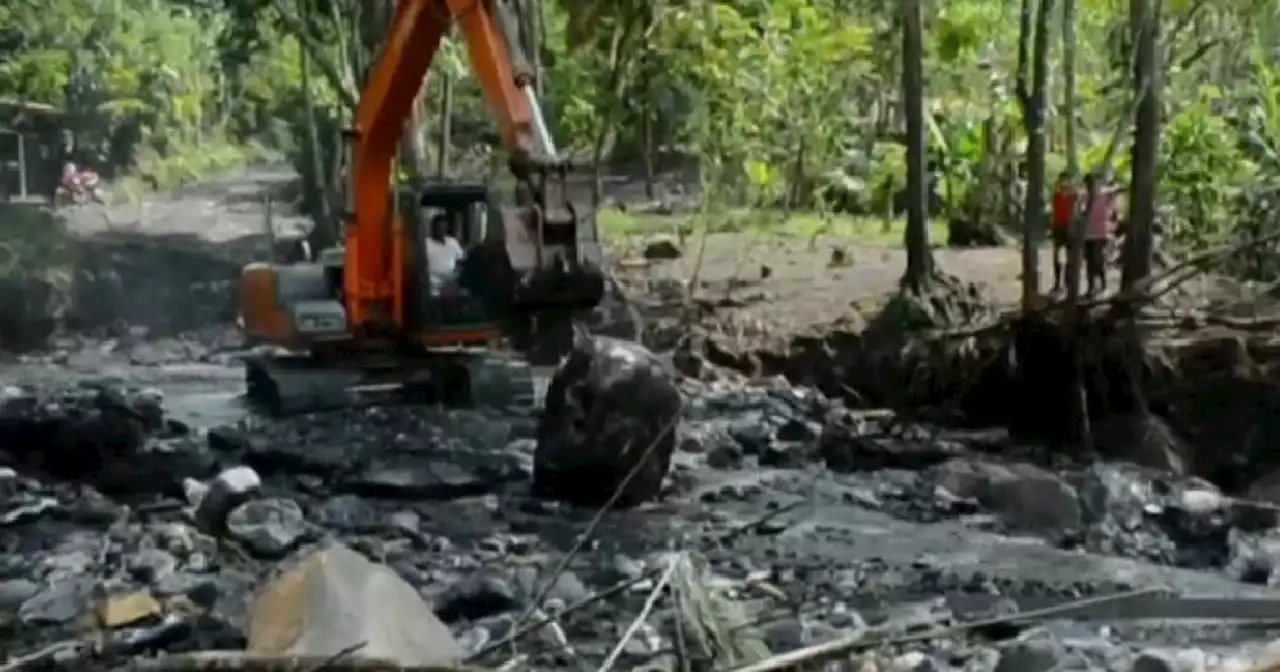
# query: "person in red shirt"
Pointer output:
{"type": "Point", "coordinates": [1064, 203]}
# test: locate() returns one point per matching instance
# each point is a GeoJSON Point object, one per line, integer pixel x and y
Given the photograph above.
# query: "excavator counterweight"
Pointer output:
{"type": "Point", "coordinates": [441, 291]}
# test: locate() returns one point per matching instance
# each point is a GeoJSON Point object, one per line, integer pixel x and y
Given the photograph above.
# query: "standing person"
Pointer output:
{"type": "Point", "coordinates": [1097, 233]}
{"type": "Point", "coordinates": [1064, 206]}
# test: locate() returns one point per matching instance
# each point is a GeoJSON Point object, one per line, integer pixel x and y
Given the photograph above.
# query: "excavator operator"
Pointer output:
{"type": "Point", "coordinates": [444, 256]}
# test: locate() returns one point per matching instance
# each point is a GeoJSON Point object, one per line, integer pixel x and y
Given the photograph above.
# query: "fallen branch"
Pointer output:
{"type": "Point", "coordinates": [860, 641]}
{"type": "Point", "coordinates": [537, 624]}
{"type": "Point", "coordinates": [39, 657]}
{"type": "Point", "coordinates": [643, 616]}
{"type": "Point", "coordinates": [1144, 291]}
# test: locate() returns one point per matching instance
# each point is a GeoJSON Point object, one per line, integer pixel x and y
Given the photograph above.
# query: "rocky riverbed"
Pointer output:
{"type": "Point", "coordinates": [146, 516]}
{"type": "Point", "coordinates": [144, 511]}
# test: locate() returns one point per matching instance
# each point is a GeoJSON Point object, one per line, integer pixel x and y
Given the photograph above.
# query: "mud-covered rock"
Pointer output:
{"type": "Point", "coordinates": [611, 408]}
{"type": "Point", "coordinates": [1026, 496]}
{"type": "Point", "coordinates": [115, 439]}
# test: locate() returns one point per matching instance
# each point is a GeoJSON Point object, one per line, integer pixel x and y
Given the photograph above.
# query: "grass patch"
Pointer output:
{"type": "Point", "coordinates": [857, 230]}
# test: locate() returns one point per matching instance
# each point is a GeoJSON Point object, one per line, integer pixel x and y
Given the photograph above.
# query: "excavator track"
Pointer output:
{"type": "Point", "coordinates": [296, 384]}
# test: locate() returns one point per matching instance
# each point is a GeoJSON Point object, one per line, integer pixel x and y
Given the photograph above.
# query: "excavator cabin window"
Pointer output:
{"type": "Point", "coordinates": [467, 224]}
{"type": "Point", "coordinates": [465, 206]}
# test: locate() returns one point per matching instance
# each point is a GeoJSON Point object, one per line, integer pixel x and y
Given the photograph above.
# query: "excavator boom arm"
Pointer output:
{"type": "Point", "coordinates": [386, 104]}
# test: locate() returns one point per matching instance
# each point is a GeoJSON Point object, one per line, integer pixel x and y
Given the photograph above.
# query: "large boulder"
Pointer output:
{"type": "Point", "coordinates": [612, 405]}
{"type": "Point", "coordinates": [335, 599]}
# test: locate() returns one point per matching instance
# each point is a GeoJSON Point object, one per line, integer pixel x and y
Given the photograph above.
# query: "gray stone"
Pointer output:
{"type": "Point", "coordinates": [784, 635]}
{"type": "Point", "coordinates": [226, 491]}
{"type": "Point", "coordinates": [58, 603]}
{"type": "Point", "coordinates": [568, 587]}
{"type": "Point", "coordinates": [13, 592]}
{"type": "Point", "coordinates": [180, 583]}
{"type": "Point", "coordinates": [1033, 656]}
{"type": "Point", "coordinates": [1024, 495]}
{"type": "Point", "coordinates": [409, 521]}
{"type": "Point", "coordinates": [268, 527]}
{"type": "Point", "coordinates": [427, 477]}
{"type": "Point", "coordinates": [150, 565]}
{"type": "Point", "coordinates": [348, 513]}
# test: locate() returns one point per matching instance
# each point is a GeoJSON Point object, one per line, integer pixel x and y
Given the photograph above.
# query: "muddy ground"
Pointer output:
{"type": "Point", "coordinates": [815, 518]}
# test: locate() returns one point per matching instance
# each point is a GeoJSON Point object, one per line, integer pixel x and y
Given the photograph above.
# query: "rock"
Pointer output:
{"type": "Point", "coordinates": [1117, 492]}
{"type": "Point", "coordinates": [1032, 656]}
{"type": "Point", "coordinates": [60, 602]}
{"type": "Point", "coordinates": [119, 611]}
{"type": "Point", "coordinates": [914, 661]}
{"type": "Point", "coordinates": [226, 491]}
{"type": "Point", "coordinates": [150, 565]}
{"type": "Point", "coordinates": [477, 597]}
{"type": "Point", "coordinates": [474, 639]}
{"type": "Point", "coordinates": [785, 635]}
{"type": "Point", "coordinates": [336, 598]}
{"type": "Point", "coordinates": [409, 521]}
{"type": "Point", "coordinates": [1191, 660]}
{"type": "Point", "coordinates": [436, 478]}
{"type": "Point", "coordinates": [611, 409]}
{"type": "Point", "coordinates": [568, 588]}
{"type": "Point", "coordinates": [785, 455]}
{"type": "Point", "coordinates": [268, 527]}
{"type": "Point", "coordinates": [1024, 495]}
{"type": "Point", "coordinates": [1253, 558]}
{"type": "Point", "coordinates": [8, 483]}
{"type": "Point", "coordinates": [1269, 656]}
{"type": "Point", "coordinates": [348, 513]}
{"type": "Point", "coordinates": [725, 455]}
{"type": "Point", "coordinates": [1154, 661]}
{"type": "Point", "coordinates": [13, 592]}
{"type": "Point", "coordinates": [1147, 441]}
{"type": "Point", "coordinates": [662, 248]}
{"type": "Point", "coordinates": [181, 583]}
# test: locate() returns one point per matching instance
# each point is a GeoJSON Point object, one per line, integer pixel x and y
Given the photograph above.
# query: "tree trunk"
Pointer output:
{"type": "Point", "coordinates": [646, 155]}
{"type": "Point", "coordinates": [413, 147]}
{"type": "Point", "coordinates": [318, 174]}
{"type": "Point", "coordinates": [1139, 243]}
{"type": "Point", "coordinates": [919, 271]}
{"type": "Point", "coordinates": [597, 167]}
{"type": "Point", "coordinates": [444, 141]}
{"type": "Point", "coordinates": [1034, 116]}
{"type": "Point", "coordinates": [648, 63]}
{"type": "Point", "coordinates": [1069, 84]}
{"type": "Point", "coordinates": [1081, 423]}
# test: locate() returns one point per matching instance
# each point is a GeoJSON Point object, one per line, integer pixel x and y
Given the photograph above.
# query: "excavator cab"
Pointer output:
{"type": "Point", "coordinates": [453, 312]}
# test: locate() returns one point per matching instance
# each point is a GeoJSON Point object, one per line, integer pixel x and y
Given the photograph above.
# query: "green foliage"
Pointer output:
{"type": "Point", "coordinates": [774, 101]}
{"type": "Point", "coordinates": [141, 85]}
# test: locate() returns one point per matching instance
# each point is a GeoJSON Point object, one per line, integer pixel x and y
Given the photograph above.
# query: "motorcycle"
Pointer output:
{"type": "Point", "coordinates": [79, 186]}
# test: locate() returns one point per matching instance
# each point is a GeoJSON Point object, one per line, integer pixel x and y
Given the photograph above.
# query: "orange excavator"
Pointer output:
{"type": "Point", "coordinates": [371, 317]}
